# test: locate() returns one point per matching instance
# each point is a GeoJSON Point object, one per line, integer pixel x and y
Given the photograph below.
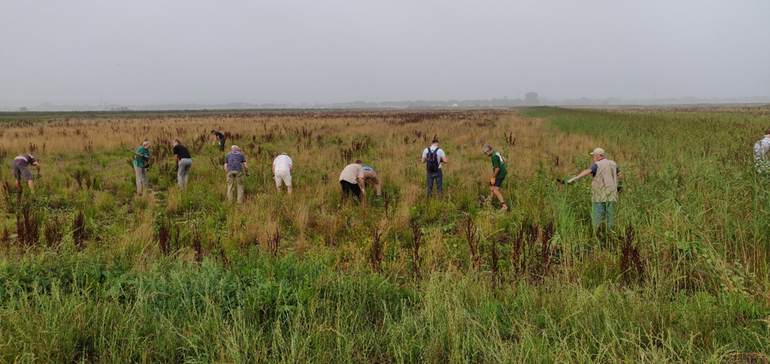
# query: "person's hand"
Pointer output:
{"type": "Point", "coordinates": [571, 180]}
{"type": "Point", "coordinates": [247, 174]}
{"type": "Point", "coordinates": [145, 157]}
{"type": "Point", "coordinates": [492, 181]}
{"type": "Point", "coordinates": [363, 190]}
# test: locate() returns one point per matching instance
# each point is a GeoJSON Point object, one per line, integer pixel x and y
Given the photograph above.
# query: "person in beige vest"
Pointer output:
{"type": "Point", "coordinates": [605, 187]}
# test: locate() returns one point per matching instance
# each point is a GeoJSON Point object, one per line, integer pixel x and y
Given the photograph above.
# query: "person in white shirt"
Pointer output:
{"type": "Point", "coordinates": [761, 149]}
{"type": "Point", "coordinates": [434, 158]}
{"type": "Point", "coordinates": [282, 169]}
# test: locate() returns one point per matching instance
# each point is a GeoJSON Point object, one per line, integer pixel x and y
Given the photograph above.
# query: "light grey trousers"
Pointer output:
{"type": "Point", "coordinates": [141, 178]}
{"type": "Point", "coordinates": [184, 170]}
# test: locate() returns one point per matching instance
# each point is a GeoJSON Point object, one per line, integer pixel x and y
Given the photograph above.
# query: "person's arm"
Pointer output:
{"type": "Point", "coordinates": [176, 158]}
{"type": "Point", "coordinates": [361, 183]}
{"type": "Point", "coordinates": [444, 160]}
{"type": "Point", "coordinates": [246, 167]}
{"type": "Point", "coordinates": [225, 167]}
{"type": "Point", "coordinates": [273, 169]}
{"type": "Point", "coordinates": [581, 175]}
{"type": "Point", "coordinates": [496, 170]}
{"type": "Point", "coordinates": [37, 164]}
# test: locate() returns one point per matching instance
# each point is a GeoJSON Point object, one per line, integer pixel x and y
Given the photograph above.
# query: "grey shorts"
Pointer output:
{"type": "Point", "coordinates": [22, 171]}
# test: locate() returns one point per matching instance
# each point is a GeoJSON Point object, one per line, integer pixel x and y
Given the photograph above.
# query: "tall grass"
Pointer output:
{"type": "Point", "coordinates": [184, 276]}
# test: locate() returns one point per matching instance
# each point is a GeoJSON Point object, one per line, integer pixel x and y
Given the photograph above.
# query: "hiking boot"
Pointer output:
{"type": "Point", "coordinates": [504, 208]}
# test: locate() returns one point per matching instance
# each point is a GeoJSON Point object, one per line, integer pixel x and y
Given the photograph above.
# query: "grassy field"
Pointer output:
{"type": "Point", "coordinates": [89, 272]}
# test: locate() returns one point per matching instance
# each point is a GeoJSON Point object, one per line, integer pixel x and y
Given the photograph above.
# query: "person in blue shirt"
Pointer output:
{"type": "Point", "coordinates": [371, 175]}
{"type": "Point", "coordinates": [233, 161]}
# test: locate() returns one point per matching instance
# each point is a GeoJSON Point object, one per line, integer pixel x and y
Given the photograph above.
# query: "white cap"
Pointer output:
{"type": "Point", "coordinates": [598, 151]}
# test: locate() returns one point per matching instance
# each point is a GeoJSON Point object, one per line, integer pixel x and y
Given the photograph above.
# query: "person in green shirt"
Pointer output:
{"type": "Point", "coordinates": [498, 166]}
{"type": "Point", "coordinates": [141, 158]}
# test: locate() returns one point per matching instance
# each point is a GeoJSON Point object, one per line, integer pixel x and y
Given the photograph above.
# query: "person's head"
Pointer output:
{"type": "Point", "coordinates": [146, 144]}
{"type": "Point", "coordinates": [175, 142]}
{"type": "Point", "coordinates": [284, 154]}
{"type": "Point", "coordinates": [487, 150]}
{"type": "Point", "coordinates": [598, 154]}
{"type": "Point", "coordinates": [234, 148]}
{"type": "Point", "coordinates": [767, 131]}
{"type": "Point", "coordinates": [434, 142]}
{"type": "Point", "coordinates": [213, 131]}
{"type": "Point", "coordinates": [360, 162]}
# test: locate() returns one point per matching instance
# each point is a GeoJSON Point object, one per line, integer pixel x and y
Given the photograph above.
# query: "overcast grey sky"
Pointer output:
{"type": "Point", "coordinates": [144, 52]}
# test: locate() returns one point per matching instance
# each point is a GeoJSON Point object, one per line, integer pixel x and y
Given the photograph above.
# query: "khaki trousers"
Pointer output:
{"type": "Point", "coordinates": [235, 176]}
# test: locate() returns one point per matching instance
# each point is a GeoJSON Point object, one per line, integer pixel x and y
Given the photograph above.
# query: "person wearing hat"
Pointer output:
{"type": "Point", "coordinates": [605, 187]}
{"type": "Point", "coordinates": [434, 158]}
{"type": "Point", "coordinates": [233, 161]}
{"type": "Point", "coordinates": [761, 149]}
{"type": "Point", "coordinates": [282, 169]}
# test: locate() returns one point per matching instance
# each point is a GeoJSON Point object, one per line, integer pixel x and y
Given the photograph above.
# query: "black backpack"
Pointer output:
{"type": "Point", "coordinates": [431, 160]}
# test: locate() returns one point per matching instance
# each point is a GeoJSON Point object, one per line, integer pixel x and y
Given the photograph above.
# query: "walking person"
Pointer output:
{"type": "Point", "coordinates": [234, 170]}
{"type": "Point", "coordinates": [371, 175]}
{"type": "Point", "coordinates": [21, 169]}
{"type": "Point", "coordinates": [434, 158]}
{"type": "Point", "coordinates": [605, 187]}
{"type": "Point", "coordinates": [183, 163]}
{"type": "Point", "coordinates": [352, 180]}
{"type": "Point", "coordinates": [282, 170]}
{"type": "Point", "coordinates": [499, 173]}
{"type": "Point", "coordinates": [141, 163]}
{"type": "Point", "coordinates": [221, 138]}
{"type": "Point", "coordinates": [761, 148]}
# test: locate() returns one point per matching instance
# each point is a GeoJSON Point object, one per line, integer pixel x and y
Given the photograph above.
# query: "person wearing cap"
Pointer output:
{"type": "Point", "coordinates": [221, 138]}
{"type": "Point", "coordinates": [605, 187]}
{"type": "Point", "coordinates": [233, 161]}
{"type": "Point", "coordinates": [183, 163]}
{"type": "Point", "coordinates": [500, 171]}
{"type": "Point", "coordinates": [434, 158]}
{"type": "Point", "coordinates": [352, 180]}
{"type": "Point", "coordinates": [761, 148]}
{"type": "Point", "coordinates": [282, 169]}
{"type": "Point", "coordinates": [371, 175]}
{"type": "Point", "coordinates": [141, 163]}
{"type": "Point", "coordinates": [21, 169]}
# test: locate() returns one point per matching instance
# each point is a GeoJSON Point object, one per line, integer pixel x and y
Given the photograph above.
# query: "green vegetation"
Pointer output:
{"type": "Point", "coordinates": [91, 273]}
